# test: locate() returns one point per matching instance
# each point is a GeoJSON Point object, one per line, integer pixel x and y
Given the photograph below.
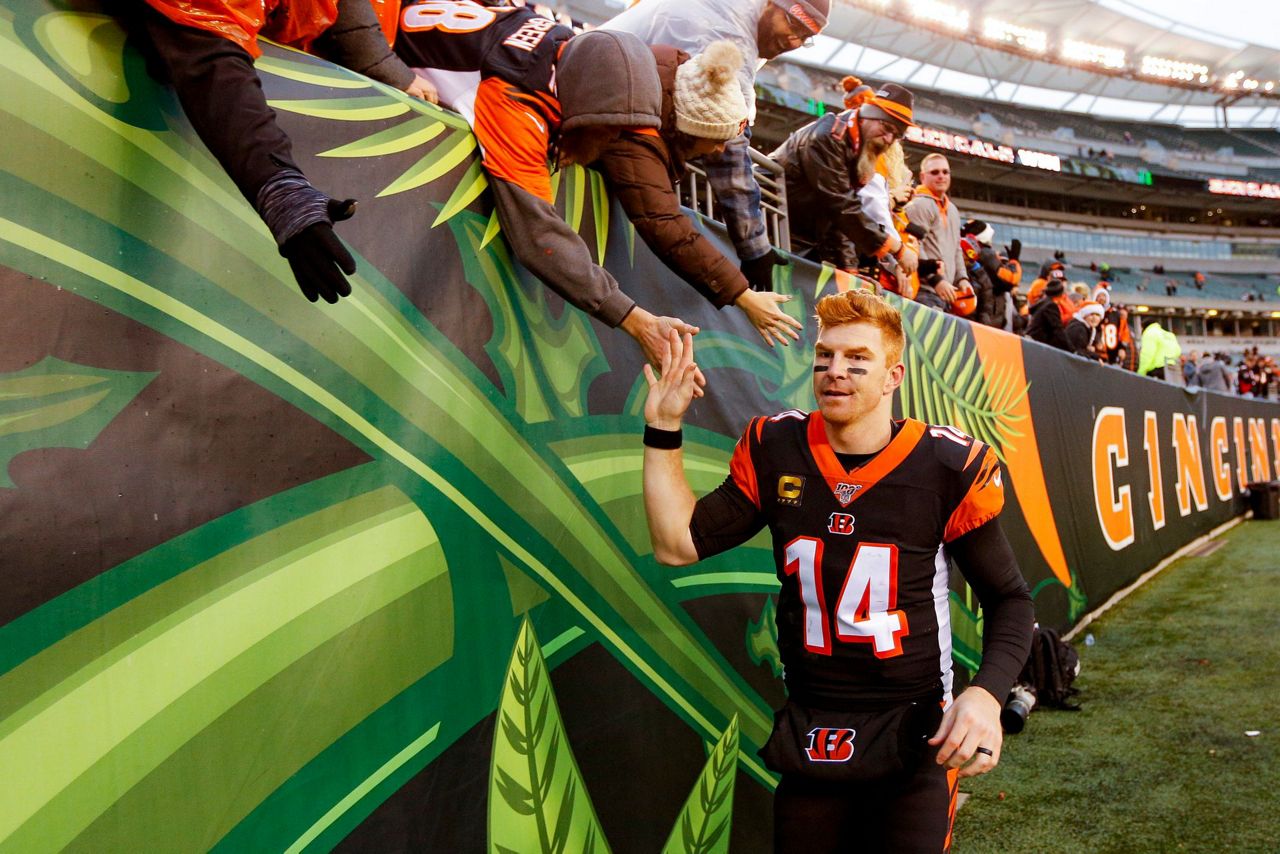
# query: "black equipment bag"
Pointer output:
{"type": "Point", "coordinates": [1051, 669]}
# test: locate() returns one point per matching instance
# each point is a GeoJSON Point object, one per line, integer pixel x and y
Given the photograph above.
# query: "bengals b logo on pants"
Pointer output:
{"type": "Point", "coordinates": [828, 744]}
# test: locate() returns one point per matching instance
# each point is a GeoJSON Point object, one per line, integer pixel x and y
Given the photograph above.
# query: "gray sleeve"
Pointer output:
{"type": "Point", "coordinates": [920, 211]}
{"type": "Point", "coordinates": [545, 244]}
{"type": "Point", "coordinates": [355, 41]}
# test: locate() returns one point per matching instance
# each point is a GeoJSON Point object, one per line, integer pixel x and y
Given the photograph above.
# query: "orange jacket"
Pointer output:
{"type": "Point", "coordinates": [296, 23]}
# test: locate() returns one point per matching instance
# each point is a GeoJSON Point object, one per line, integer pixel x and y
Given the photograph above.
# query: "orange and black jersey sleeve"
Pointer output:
{"type": "Point", "coordinates": [983, 496]}
{"type": "Point", "coordinates": [731, 514]}
{"type": "Point", "coordinates": [514, 51]}
{"type": "Point", "coordinates": [512, 43]}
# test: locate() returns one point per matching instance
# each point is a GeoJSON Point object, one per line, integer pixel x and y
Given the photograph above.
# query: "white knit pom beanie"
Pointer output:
{"type": "Point", "coordinates": [708, 98]}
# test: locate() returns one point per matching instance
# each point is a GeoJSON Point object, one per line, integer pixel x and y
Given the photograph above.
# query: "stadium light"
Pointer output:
{"type": "Point", "coordinates": [951, 17]}
{"type": "Point", "coordinates": [1172, 69]}
{"type": "Point", "coordinates": [1232, 80]}
{"type": "Point", "coordinates": [1036, 41]}
{"type": "Point", "coordinates": [1142, 309]}
{"type": "Point", "coordinates": [1093, 54]}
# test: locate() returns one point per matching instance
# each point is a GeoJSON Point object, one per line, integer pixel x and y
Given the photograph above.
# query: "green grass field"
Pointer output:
{"type": "Point", "coordinates": [1158, 759]}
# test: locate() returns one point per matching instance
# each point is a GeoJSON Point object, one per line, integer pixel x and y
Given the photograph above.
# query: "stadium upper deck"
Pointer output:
{"type": "Point", "coordinates": [1046, 156]}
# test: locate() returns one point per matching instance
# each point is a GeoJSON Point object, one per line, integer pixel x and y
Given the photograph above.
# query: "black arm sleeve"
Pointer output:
{"type": "Point", "coordinates": [222, 97]}
{"type": "Point", "coordinates": [723, 519]}
{"type": "Point", "coordinates": [823, 163]}
{"type": "Point", "coordinates": [988, 564]}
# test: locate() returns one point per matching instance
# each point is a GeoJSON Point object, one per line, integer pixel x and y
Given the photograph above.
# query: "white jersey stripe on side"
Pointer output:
{"type": "Point", "coordinates": [942, 608]}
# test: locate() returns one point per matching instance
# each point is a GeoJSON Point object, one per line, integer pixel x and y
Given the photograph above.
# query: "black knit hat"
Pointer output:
{"type": "Point", "coordinates": [891, 103]}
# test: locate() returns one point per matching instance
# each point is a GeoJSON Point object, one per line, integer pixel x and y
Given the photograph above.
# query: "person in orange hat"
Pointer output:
{"type": "Point", "coordinates": [1056, 272]}
{"type": "Point", "coordinates": [827, 162]}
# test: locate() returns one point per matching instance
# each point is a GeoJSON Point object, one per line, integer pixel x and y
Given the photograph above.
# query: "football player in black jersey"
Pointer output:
{"type": "Point", "coordinates": [864, 513]}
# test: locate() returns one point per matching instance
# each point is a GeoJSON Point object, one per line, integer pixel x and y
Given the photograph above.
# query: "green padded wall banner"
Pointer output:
{"type": "Point", "coordinates": [277, 576]}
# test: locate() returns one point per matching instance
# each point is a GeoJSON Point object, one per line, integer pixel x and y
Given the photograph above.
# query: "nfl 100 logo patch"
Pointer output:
{"type": "Point", "coordinates": [845, 492]}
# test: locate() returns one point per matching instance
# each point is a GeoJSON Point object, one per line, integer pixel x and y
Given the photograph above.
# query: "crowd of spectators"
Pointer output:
{"type": "Point", "coordinates": [1252, 376]}
{"type": "Point", "coordinates": [665, 82]}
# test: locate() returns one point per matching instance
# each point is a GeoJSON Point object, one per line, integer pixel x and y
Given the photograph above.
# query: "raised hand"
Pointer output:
{"type": "Point", "coordinates": [680, 381]}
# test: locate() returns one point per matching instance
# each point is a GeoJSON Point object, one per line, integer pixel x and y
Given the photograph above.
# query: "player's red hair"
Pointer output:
{"type": "Point", "coordinates": [863, 307]}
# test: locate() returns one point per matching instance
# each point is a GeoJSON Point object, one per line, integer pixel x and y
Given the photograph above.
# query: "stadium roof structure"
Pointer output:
{"type": "Point", "coordinates": [922, 42]}
{"type": "Point", "coordinates": [914, 41]}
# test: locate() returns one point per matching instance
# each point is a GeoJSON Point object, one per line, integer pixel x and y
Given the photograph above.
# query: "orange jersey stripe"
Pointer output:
{"type": "Point", "coordinates": [515, 139]}
{"type": "Point", "coordinates": [866, 476]}
{"type": "Point", "coordinates": [982, 503]}
{"type": "Point", "coordinates": [740, 466]}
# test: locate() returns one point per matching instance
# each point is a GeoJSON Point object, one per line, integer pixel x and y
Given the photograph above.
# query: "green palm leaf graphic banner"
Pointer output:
{"type": "Point", "coordinates": [265, 563]}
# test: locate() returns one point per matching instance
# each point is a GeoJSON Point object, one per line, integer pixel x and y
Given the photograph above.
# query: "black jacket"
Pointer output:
{"type": "Point", "coordinates": [821, 165]}
{"type": "Point", "coordinates": [1080, 336]}
{"type": "Point", "coordinates": [1046, 325]}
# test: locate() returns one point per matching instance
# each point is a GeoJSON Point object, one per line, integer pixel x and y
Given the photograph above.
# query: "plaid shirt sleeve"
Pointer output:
{"type": "Point", "coordinates": [739, 197]}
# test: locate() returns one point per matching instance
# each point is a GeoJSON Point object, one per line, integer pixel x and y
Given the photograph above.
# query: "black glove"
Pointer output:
{"type": "Point", "coordinates": [1014, 250]}
{"type": "Point", "coordinates": [759, 271]}
{"type": "Point", "coordinates": [318, 260]}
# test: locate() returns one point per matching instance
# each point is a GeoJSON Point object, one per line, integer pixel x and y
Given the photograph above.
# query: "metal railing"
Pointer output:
{"type": "Point", "coordinates": [696, 193]}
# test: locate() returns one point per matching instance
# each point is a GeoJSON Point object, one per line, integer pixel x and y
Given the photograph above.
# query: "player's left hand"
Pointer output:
{"type": "Point", "coordinates": [973, 721]}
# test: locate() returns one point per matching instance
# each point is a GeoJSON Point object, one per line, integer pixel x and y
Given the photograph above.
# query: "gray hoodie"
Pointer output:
{"type": "Point", "coordinates": [602, 78]}
{"type": "Point", "coordinates": [1212, 375]}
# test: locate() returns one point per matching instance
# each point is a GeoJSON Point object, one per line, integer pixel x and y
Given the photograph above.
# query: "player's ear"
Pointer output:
{"type": "Point", "coordinates": [894, 378]}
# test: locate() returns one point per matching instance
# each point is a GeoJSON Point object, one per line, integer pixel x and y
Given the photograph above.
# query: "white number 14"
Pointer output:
{"type": "Point", "coordinates": [866, 610]}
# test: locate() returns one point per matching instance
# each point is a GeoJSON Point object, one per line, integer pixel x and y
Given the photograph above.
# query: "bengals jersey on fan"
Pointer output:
{"type": "Point", "coordinates": [512, 104]}
{"type": "Point", "coordinates": [1116, 339]}
{"type": "Point", "coordinates": [863, 612]}
{"type": "Point", "coordinates": [513, 43]}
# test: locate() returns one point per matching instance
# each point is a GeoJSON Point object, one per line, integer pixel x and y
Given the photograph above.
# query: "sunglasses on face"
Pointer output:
{"type": "Point", "coordinates": [891, 127]}
{"type": "Point", "coordinates": [939, 171]}
{"type": "Point", "coordinates": [799, 30]}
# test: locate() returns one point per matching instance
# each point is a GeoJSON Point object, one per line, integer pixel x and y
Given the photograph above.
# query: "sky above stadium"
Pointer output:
{"type": "Point", "coordinates": [1253, 21]}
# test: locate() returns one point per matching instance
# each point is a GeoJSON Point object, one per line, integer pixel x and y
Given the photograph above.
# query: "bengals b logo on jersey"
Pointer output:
{"type": "Point", "coordinates": [840, 523]}
{"type": "Point", "coordinates": [830, 744]}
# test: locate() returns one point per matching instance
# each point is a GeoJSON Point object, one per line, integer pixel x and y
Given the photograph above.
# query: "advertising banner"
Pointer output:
{"type": "Point", "coordinates": [376, 576]}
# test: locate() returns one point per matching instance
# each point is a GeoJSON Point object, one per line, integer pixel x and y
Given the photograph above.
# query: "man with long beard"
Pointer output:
{"type": "Point", "coordinates": [827, 162]}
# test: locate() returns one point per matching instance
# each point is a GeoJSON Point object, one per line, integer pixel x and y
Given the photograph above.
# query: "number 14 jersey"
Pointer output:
{"type": "Point", "coordinates": [863, 612]}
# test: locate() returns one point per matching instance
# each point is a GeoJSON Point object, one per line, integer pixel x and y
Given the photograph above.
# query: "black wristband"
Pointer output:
{"type": "Point", "coordinates": [663, 440]}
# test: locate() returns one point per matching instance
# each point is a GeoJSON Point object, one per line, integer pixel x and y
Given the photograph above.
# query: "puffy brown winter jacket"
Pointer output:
{"type": "Point", "coordinates": [642, 170]}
